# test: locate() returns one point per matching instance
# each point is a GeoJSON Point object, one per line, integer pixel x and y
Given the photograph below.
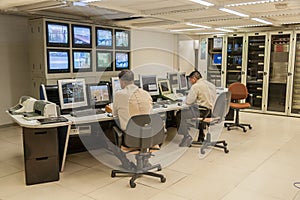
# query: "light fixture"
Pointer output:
{"type": "Point", "coordinates": [225, 30]}
{"type": "Point", "coordinates": [261, 20]}
{"type": "Point", "coordinates": [233, 12]}
{"type": "Point", "coordinates": [197, 25]}
{"type": "Point", "coordinates": [204, 3]}
{"type": "Point", "coordinates": [196, 44]}
{"type": "Point", "coordinates": [187, 29]}
{"type": "Point", "coordinates": [211, 33]}
{"type": "Point", "coordinates": [252, 3]}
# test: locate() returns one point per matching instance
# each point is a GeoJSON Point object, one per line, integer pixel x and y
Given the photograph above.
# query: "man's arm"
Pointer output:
{"type": "Point", "coordinates": [192, 96]}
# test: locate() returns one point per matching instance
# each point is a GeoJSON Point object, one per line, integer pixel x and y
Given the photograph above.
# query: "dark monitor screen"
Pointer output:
{"type": "Point", "coordinates": [173, 78]}
{"type": "Point", "coordinates": [58, 61]}
{"type": "Point", "coordinates": [104, 61]}
{"type": "Point", "coordinates": [99, 94]}
{"type": "Point", "coordinates": [122, 60]}
{"type": "Point", "coordinates": [217, 59]}
{"type": "Point", "coordinates": [122, 39]}
{"type": "Point", "coordinates": [149, 83]}
{"type": "Point", "coordinates": [82, 61]}
{"type": "Point", "coordinates": [104, 38]}
{"type": "Point", "coordinates": [182, 81]}
{"type": "Point", "coordinates": [57, 34]}
{"type": "Point", "coordinates": [50, 93]}
{"type": "Point", "coordinates": [81, 36]}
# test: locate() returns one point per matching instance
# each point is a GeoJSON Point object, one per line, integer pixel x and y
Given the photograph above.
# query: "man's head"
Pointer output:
{"type": "Point", "coordinates": [126, 77]}
{"type": "Point", "coordinates": [194, 76]}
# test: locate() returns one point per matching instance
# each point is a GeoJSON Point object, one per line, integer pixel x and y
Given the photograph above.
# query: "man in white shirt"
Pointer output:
{"type": "Point", "coordinates": [203, 94]}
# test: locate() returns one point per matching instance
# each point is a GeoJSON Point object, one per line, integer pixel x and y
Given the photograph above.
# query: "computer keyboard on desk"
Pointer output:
{"type": "Point", "coordinates": [86, 112]}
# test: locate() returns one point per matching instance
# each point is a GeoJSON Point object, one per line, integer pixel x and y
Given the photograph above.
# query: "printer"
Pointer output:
{"type": "Point", "coordinates": [26, 104]}
{"type": "Point", "coordinates": [45, 108]}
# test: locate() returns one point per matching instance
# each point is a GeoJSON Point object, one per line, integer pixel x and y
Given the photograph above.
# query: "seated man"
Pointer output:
{"type": "Point", "coordinates": [127, 102]}
{"type": "Point", "coordinates": [203, 94]}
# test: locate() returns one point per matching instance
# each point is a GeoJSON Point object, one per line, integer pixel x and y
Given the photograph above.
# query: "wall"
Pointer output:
{"type": "Point", "coordinates": [15, 75]}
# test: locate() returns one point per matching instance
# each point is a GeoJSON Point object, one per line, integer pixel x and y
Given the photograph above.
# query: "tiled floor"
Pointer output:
{"type": "Point", "coordinates": [262, 164]}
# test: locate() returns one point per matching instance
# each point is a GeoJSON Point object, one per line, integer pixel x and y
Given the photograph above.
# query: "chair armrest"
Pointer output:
{"type": "Point", "coordinates": [118, 135]}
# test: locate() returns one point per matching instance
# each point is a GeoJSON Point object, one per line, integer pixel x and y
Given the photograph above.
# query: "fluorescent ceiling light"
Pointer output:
{"type": "Point", "coordinates": [197, 25]}
{"type": "Point", "coordinates": [225, 30]}
{"type": "Point", "coordinates": [233, 12]}
{"type": "Point", "coordinates": [211, 33]}
{"type": "Point", "coordinates": [187, 29]}
{"type": "Point", "coordinates": [204, 3]}
{"type": "Point", "coordinates": [261, 20]}
{"type": "Point", "coordinates": [252, 3]}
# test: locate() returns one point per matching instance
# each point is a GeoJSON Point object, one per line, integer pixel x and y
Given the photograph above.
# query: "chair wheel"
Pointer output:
{"type": "Point", "coordinates": [228, 129]}
{"type": "Point", "coordinates": [159, 168]}
{"type": "Point", "coordinates": [244, 130]}
{"type": "Point", "coordinates": [250, 127]}
{"type": "Point", "coordinates": [226, 150]}
{"type": "Point", "coordinates": [132, 184]}
{"type": "Point", "coordinates": [113, 174]}
{"type": "Point", "coordinates": [202, 151]}
{"type": "Point", "coordinates": [163, 180]}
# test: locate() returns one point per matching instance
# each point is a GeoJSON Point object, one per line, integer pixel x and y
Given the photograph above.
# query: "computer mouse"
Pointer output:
{"type": "Point", "coordinates": [109, 114]}
{"type": "Point", "coordinates": [179, 104]}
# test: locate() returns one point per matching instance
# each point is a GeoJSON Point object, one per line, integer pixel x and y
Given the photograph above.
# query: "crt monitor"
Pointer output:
{"type": "Point", "coordinates": [57, 34]}
{"type": "Point", "coordinates": [104, 37]}
{"type": "Point", "coordinates": [115, 84]}
{"type": "Point", "coordinates": [99, 94]}
{"type": "Point", "coordinates": [173, 78]}
{"type": "Point", "coordinates": [82, 60]}
{"type": "Point", "coordinates": [72, 93]}
{"type": "Point", "coordinates": [58, 61]}
{"type": "Point", "coordinates": [164, 87]}
{"type": "Point", "coordinates": [149, 83]}
{"type": "Point", "coordinates": [183, 85]}
{"type": "Point", "coordinates": [122, 60]}
{"type": "Point", "coordinates": [217, 59]}
{"type": "Point", "coordinates": [81, 36]}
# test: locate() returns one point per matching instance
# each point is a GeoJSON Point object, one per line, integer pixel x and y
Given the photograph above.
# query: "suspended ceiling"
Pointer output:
{"type": "Point", "coordinates": [179, 16]}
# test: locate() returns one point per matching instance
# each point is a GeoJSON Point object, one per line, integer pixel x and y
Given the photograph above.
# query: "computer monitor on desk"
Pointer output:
{"type": "Point", "coordinates": [164, 87]}
{"type": "Point", "coordinates": [149, 83]}
{"type": "Point", "coordinates": [99, 95]}
{"type": "Point", "coordinates": [72, 93]}
{"type": "Point", "coordinates": [183, 85]}
{"type": "Point", "coordinates": [115, 84]}
{"type": "Point", "coordinates": [173, 78]}
{"type": "Point", "coordinates": [49, 93]}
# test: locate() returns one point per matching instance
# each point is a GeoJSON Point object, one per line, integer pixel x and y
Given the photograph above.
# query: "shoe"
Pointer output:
{"type": "Point", "coordinates": [186, 141]}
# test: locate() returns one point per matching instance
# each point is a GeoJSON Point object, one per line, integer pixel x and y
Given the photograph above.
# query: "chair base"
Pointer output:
{"type": "Point", "coordinates": [242, 126]}
{"type": "Point", "coordinates": [139, 173]}
{"type": "Point", "coordinates": [208, 143]}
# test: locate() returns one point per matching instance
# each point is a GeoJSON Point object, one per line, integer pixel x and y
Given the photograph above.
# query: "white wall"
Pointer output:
{"type": "Point", "coordinates": [15, 75]}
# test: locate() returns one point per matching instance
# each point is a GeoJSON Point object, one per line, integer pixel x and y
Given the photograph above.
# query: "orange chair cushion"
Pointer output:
{"type": "Point", "coordinates": [239, 105]}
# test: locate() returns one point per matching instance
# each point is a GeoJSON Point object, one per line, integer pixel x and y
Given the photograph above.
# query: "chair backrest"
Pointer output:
{"type": "Point", "coordinates": [144, 131]}
{"type": "Point", "coordinates": [222, 105]}
{"type": "Point", "coordinates": [238, 91]}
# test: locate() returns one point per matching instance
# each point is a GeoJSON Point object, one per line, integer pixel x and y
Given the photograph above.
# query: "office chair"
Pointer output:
{"type": "Point", "coordinates": [239, 92]}
{"type": "Point", "coordinates": [218, 114]}
{"type": "Point", "coordinates": [142, 133]}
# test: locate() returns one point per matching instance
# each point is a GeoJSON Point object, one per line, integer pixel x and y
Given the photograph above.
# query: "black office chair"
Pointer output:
{"type": "Point", "coordinates": [142, 133]}
{"type": "Point", "coordinates": [218, 114]}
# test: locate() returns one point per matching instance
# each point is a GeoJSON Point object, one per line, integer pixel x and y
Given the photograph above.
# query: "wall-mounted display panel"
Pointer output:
{"type": "Point", "coordinates": [58, 61]}
{"type": "Point", "coordinates": [57, 34]}
{"type": "Point", "coordinates": [104, 60]}
{"type": "Point", "coordinates": [82, 61]}
{"type": "Point", "coordinates": [104, 38]}
{"type": "Point", "coordinates": [81, 36]}
{"type": "Point", "coordinates": [122, 39]}
{"type": "Point", "coordinates": [122, 60]}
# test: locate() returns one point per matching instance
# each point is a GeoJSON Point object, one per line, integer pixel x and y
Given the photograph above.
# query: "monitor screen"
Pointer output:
{"type": "Point", "coordinates": [173, 78]}
{"type": "Point", "coordinates": [58, 61]}
{"type": "Point", "coordinates": [182, 81]}
{"type": "Point", "coordinates": [122, 60]}
{"type": "Point", "coordinates": [164, 86]}
{"type": "Point", "coordinates": [49, 93]}
{"type": "Point", "coordinates": [217, 59]}
{"type": "Point", "coordinates": [72, 93]}
{"type": "Point", "coordinates": [149, 83]}
{"type": "Point", "coordinates": [104, 61]}
{"type": "Point", "coordinates": [122, 39]}
{"type": "Point", "coordinates": [104, 38]}
{"type": "Point", "coordinates": [57, 34]}
{"type": "Point", "coordinates": [99, 94]}
{"type": "Point", "coordinates": [82, 61]}
{"type": "Point", "coordinates": [115, 84]}
{"type": "Point", "coordinates": [81, 36]}
{"type": "Point", "coordinates": [217, 43]}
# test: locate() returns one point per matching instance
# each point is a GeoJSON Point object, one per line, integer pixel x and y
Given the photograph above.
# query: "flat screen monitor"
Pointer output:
{"type": "Point", "coordinates": [82, 61]}
{"type": "Point", "coordinates": [57, 34]}
{"type": "Point", "coordinates": [104, 38]}
{"type": "Point", "coordinates": [115, 84]}
{"type": "Point", "coordinates": [121, 60]}
{"type": "Point", "coordinates": [173, 78]}
{"type": "Point", "coordinates": [81, 36]}
{"type": "Point", "coordinates": [122, 39]}
{"type": "Point", "coordinates": [150, 84]}
{"type": "Point", "coordinates": [99, 94]}
{"type": "Point", "coordinates": [164, 87]}
{"type": "Point", "coordinates": [72, 93]}
{"type": "Point", "coordinates": [58, 61]}
{"type": "Point", "coordinates": [217, 59]}
{"type": "Point", "coordinates": [183, 85]}
{"type": "Point", "coordinates": [104, 61]}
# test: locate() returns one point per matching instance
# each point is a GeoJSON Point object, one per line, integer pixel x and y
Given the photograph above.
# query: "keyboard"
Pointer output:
{"type": "Point", "coordinates": [86, 112]}
{"type": "Point", "coordinates": [51, 120]}
{"type": "Point", "coordinates": [171, 96]}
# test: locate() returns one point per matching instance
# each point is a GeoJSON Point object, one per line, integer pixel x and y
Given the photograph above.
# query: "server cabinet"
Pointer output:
{"type": "Point", "coordinates": [256, 59]}
{"type": "Point", "coordinates": [235, 70]}
{"type": "Point", "coordinates": [295, 102]}
{"type": "Point", "coordinates": [279, 72]}
{"type": "Point", "coordinates": [215, 60]}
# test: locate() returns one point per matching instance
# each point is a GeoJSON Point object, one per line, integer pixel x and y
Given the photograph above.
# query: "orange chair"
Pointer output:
{"type": "Point", "coordinates": [239, 92]}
